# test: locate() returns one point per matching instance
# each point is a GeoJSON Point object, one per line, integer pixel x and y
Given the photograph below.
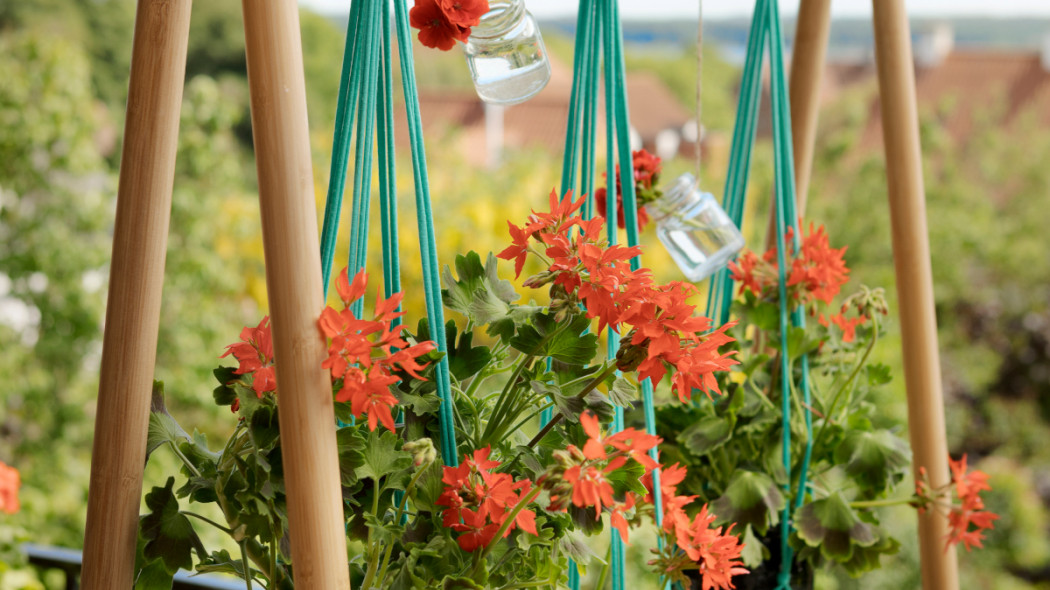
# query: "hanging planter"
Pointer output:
{"type": "Point", "coordinates": [794, 454]}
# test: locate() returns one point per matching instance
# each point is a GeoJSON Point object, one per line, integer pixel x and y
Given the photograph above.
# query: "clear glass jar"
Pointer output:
{"type": "Point", "coordinates": [506, 56]}
{"type": "Point", "coordinates": [695, 230]}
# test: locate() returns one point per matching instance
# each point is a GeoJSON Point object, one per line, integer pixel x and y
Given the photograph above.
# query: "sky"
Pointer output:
{"type": "Point", "coordinates": [726, 8]}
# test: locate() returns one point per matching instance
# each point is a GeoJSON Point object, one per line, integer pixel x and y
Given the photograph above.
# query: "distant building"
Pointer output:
{"type": "Point", "coordinates": [658, 120]}
{"type": "Point", "coordinates": [1001, 83]}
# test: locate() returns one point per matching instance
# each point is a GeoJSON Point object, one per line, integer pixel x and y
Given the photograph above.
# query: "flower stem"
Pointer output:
{"type": "Point", "coordinates": [557, 417]}
{"type": "Point", "coordinates": [509, 520]}
{"type": "Point", "coordinates": [185, 460]}
{"type": "Point", "coordinates": [244, 564]}
{"type": "Point", "coordinates": [849, 382]}
{"type": "Point", "coordinates": [878, 503]}
{"type": "Point", "coordinates": [228, 531]}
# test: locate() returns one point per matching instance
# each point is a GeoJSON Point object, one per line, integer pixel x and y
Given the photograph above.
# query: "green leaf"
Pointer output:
{"type": "Point", "coordinates": [706, 435]}
{"type": "Point", "coordinates": [575, 545]}
{"type": "Point", "coordinates": [623, 392]}
{"type": "Point", "coordinates": [428, 488]}
{"type": "Point", "coordinates": [874, 459]}
{"type": "Point", "coordinates": [573, 345]}
{"type": "Point", "coordinates": [865, 559]}
{"type": "Point", "coordinates": [834, 527]}
{"type": "Point", "coordinates": [755, 553]}
{"type": "Point", "coordinates": [503, 329]}
{"type": "Point", "coordinates": [385, 531]}
{"type": "Point", "coordinates": [350, 445]}
{"type": "Point", "coordinates": [478, 293]}
{"type": "Point", "coordinates": [224, 394]}
{"type": "Point", "coordinates": [162, 427]}
{"type": "Point", "coordinates": [264, 427]}
{"type": "Point", "coordinates": [628, 478]}
{"type": "Point", "coordinates": [381, 456]}
{"type": "Point", "coordinates": [220, 562]}
{"type": "Point", "coordinates": [879, 374]}
{"type": "Point", "coordinates": [169, 534]}
{"type": "Point", "coordinates": [584, 520]}
{"type": "Point", "coordinates": [460, 583]}
{"type": "Point", "coordinates": [464, 360]}
{"type": "Point", "coordinates": [752, 499]}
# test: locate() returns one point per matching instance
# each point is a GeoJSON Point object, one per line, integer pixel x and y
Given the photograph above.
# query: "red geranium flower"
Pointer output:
{"type": "Point", "coordinates": [970, 511]}
{"type": "Point", "coordinates": [365, 354]}
{"type": "Point", "coordinates": [717, 553]}
{"type": "Point", "coordinates": [10, 482]}
{"type": "Point", "coordinates": [478, 501]}
{"type": "Point", "coordinates": [464, 13]}
{"type": "Point", "coordinates": [255, 354]}
{"type": "Point", "coordinates": [435, 29]}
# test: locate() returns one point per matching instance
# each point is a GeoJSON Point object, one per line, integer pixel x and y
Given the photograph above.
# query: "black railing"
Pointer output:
{"type": "Point", "coordinates": [68, 560]}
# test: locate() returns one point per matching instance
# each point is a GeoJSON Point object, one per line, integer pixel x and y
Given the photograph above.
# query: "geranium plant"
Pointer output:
{"type": "Point", "coordinates": [524, 495]}
{"type": "Point", "coordinates": [732, 445]}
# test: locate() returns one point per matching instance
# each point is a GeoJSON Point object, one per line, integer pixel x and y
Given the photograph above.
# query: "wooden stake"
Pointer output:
{"type": "Point", "coordinates": [293, 280]}
{"type": "Point", "coordinates": [911, 255]}
{"type": "Point", "coordinates": [808, 57]}
{"type": "Point", "coordinates": [129, 345]}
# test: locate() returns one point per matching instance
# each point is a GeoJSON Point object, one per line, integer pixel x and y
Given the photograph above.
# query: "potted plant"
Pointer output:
{"type": "Point", "coordinates": [519, 499]}
{"type": "Point", "coordinates": [852, 458]}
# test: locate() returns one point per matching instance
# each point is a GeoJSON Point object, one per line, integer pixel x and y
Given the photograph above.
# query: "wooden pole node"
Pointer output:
{"type": "Point", "coordinates": [911, 256]}
{"type": "Point", "coordinates": [129, 345]}
{"type": "Point", "coordinates": [808, 55]}
{"type": "Point", "coordinates": [293, 280]}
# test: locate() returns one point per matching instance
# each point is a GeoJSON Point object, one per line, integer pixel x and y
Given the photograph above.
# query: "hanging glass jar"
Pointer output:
{"type": "Point", "coordinates": [506, 55]}
{"type": "Point", "coordinates": [695, 230]}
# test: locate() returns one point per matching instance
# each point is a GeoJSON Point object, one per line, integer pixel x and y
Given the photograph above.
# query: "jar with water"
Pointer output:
{"type": "Point", "coordinates": [506, 56]}
{"type": "Point", "coordinates": [695, 230]}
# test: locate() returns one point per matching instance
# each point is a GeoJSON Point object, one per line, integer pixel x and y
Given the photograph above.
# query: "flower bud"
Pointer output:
{"type": "Point", "coordinates": [422, 451]}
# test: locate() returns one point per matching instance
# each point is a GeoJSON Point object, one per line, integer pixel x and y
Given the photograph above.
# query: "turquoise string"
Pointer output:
{"type": "Point", "coordinates": [608, 26]}
{"type": "Point", "coordinates": [344, 122]}
{"type": "Point", "coordinates": [366, 123]}
{"type": "Point", "coordinates": [427, 243]}
{"type": "Point", "coordinates": [745, 128]}
{"type": "Point", "coordinates": [367, 56]}
{"type": "Point", "coordinates": [766, 25]}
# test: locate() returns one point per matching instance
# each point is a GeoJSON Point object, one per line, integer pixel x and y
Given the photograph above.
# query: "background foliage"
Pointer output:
{"type": "Point", "coordinates": [63, 77]}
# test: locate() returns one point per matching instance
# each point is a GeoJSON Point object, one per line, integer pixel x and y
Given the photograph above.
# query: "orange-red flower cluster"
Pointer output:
{"type": "Point", "coordinates": [646, 176]}
{"type": "Point", "coordinates": [847, 325]}
{"type": "Point", "coordinates": [478, 501]}
{"type": "Point", "coordinates": [10, 482]}
{"type": "Point", "coordinates": [970, 509]}
{"type": "Point", "coordinates": [664, 324]}
{"type": "Point", "coordinates": [363, 353]}
{"type": "Point", "coordinates": [716, 552]}
{"type": "Point", "coordinates": [581, 477]}
{"type": "Point", "coordinates": [583, 268]}
{"type": "Point", "coordinates": [366, 353]}
{"type": "Point", "coordinates": [967, 516]}
{"type": "Point", "coordinates": [443, 22]}
{"type": "Point", "coordinates": [255, 354]}
{"type": "Point", "coordinates": [817, 271]}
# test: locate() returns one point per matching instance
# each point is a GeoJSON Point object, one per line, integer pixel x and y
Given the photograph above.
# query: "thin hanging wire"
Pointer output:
{"type": "Point", "coordinates": [699, 84]}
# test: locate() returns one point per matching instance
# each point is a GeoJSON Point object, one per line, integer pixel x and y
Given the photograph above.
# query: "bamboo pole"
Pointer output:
{"type": "Point", "coordinates": [808, 55]}
{"type": "Point", "coordinates": [129, 345]}
{"type": "Point", "coordinates": [293, 280]}
{"type": "Point", "coordinates": [911, 255]}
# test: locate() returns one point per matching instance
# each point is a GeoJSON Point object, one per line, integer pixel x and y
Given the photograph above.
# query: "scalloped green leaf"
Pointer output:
{"type": "Point", "coordinates": [169, 535]}
{"type": "Point", "coordinates": [706, 435]}
{"type": "Point", "coordinates": [832, 526]}
{"type": "Point", "coordinates": [875, 460]}
{"type": "Point", "coordinates": [573, 345]}
{"type": "Point", "coordinates": [751, 499]}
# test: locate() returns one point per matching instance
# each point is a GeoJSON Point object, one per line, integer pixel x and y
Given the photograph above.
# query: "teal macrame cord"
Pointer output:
{"type": "Point", "coordinates": [765, 26]}
{"type": "Point", "coordinates": [367, 84]}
